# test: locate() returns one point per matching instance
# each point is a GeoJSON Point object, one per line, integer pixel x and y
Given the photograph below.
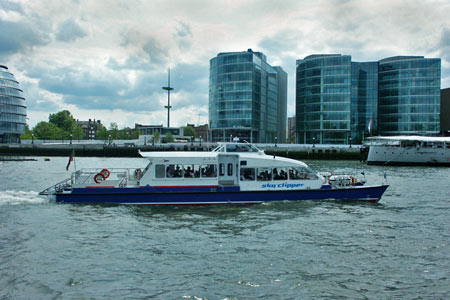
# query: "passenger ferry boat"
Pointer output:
{"type": "Point", "coordinates": [408, 150]}
{"type": "Point", "coordinates": [233, 173]}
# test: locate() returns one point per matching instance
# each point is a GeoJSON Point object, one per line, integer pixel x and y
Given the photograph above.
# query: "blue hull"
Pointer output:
{"type": "Point", "coordinates": [148, 196]}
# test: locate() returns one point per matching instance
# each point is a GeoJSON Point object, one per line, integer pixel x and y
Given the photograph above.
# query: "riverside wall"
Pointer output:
{"type": "Point", "coordinates": [325, 152]}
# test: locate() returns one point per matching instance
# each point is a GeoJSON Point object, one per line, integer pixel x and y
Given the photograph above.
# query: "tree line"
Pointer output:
{"type": "Point", "coordinates": [63, 126]}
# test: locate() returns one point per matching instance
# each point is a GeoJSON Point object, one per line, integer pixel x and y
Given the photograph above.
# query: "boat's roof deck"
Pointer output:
{"type": "Point", "coordinates": [431, 139]}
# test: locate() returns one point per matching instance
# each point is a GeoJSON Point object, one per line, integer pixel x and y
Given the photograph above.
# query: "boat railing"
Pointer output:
{"type": "Point", "coordinates": [120, 175]}
{"type": "Point", "coordinates": [236, 147]}
{"type": "Point", "coordinates": [58, 188]}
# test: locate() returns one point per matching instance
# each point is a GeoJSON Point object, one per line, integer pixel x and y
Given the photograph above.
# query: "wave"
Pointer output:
{"type": "Point", "coordinates": [12, 197]}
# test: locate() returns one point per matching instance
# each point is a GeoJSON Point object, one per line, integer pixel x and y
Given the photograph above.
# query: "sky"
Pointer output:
{"type": "Point", "coordinates": [108, 60]}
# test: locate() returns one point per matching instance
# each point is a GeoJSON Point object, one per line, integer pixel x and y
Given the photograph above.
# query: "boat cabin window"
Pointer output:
{"type": "Point", "coordinates": [191, 171]}
{"type": "Point", "coordinates": [186, 171]}
{"type": "Point", "coordinates": [230, 169]}
{"type": "Point", "coordinates": [159, 171]}
{"type": "Point", "coordinates": [264, 174]}
{"type": "Point", "coordinates": [280, 174]}
{"type": "Point", "coordinates": [240, 148]}
{"type": "Point", "coordinates": [209, 170]}
{"type": "Point", "coordinates": [247, 174]}
{"type": "Point", "coordinates": [300, 173]}
{"type": "Point", "coordinates": [174, 171]}
{"type": "Point", "coordinates": [221, 169]}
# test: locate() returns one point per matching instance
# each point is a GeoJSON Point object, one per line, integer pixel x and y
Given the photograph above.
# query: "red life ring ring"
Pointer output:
{"type": "Point", "coordinates": [99, 177]}
{"type": "Point", "coordinates": [105, 172]}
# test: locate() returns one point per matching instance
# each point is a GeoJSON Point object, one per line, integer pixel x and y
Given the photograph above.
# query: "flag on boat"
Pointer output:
{"type": "Point", "coordinates": [370, 125]}
{"type": "Point", "coordinates": [70, 160]}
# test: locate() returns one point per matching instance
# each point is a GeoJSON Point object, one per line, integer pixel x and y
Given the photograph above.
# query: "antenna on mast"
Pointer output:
{"type": "Point", "coordinates": [168, 106]}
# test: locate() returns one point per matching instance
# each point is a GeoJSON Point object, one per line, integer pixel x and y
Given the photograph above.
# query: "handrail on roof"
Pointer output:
{"type": "Point", "coordinates": [236, 147]}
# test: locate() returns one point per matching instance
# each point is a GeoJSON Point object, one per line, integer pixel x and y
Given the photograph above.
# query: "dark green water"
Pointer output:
{"type": "Point", "coordinates": [397, 249]}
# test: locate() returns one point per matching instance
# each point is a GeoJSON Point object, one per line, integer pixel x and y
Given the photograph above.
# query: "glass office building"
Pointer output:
{"type": "Point", "coordinates": [323, 99]}
{"type": "Point", "coordinates": [12, 108]}
{"type": "Point", "coordinates": [409, 95]}
{"type": "Point", "coordinates": [364, 100]}
{"type": "Point", "coordinates": [247, 98]}
{"type": "Point", "coordinates": [339, 101]}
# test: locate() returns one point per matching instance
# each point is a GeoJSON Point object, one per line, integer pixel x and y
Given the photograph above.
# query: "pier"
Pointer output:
{"type": "Point", "coordinates": [319, 152]}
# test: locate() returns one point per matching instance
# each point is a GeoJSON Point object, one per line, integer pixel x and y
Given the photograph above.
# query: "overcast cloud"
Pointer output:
{"type": "Point", "coordinates": [108, 59]}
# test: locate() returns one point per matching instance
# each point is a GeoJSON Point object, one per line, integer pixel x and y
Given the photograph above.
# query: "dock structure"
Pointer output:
{"type": "Point", "coordinates": [320, 152]}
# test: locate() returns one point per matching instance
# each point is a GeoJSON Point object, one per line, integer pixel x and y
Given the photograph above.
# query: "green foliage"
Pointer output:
{"type": "Point", "coordinates": [77, 132]}
{"type": "Point", "coordinates": [102, 133]}
{"type": "Point", "coordinates": [63, 120]}
{"type": "Point", "coordinates": [113, 131]}
{"type": "Point", "coordinates": [62, 124]}
{"type": "Point", "coordinates": [156, 136]}
{"type": "Point", "coordinates": [189, 131]}
{"type": "Point", "coordinates": [169, 137]}
{"type": "Point", "coordinates": [27, 135]}
{"type": "Point", "coordinates": [48, 131]}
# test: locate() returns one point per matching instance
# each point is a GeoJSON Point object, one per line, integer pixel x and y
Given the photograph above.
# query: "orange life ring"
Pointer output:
{"type": "Point", "coordinates": [105, 172]}
{"type": "Point", "coordinates": [99, 177]}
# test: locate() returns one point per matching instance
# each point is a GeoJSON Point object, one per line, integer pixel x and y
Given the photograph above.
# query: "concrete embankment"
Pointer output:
{"type": "Point", "coordinates": [101, 150]}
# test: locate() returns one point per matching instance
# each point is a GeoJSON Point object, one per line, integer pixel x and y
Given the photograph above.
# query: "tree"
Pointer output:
{"type": "Point", "coordinates": [189, 131]}
{"type": "Point", "coordinates": [27, 135]}
{"type": "Point", "coordinates": [64, 120]}
{"type": "Point", "coordinates": [156, 136]}
{"type": "Point", "coordinates": [102, 132]}
{"type": "Point", "coordinates": [114, 131]}
{"type": "Point", "coordinates": [169, 137]}
{"type": "Point", "coordinates": [47, 131]}
{"type": "Point", "coordinates": [77, 132]}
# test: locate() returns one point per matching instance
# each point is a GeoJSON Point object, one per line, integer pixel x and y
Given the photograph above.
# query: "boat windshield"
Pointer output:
{"type": "Point", "coordinates": [236, 147]}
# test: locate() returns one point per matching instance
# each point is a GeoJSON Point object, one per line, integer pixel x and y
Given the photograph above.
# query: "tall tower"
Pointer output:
{"type": "Point", "coordinates": [168, 106]}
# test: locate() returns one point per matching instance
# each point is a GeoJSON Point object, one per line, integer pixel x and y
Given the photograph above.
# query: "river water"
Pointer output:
{"type": "Point", "coordinates": [396, 249]}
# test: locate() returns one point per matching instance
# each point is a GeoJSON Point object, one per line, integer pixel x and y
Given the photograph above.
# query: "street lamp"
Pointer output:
{"type": "Point", "coordinates": [200, 140]}
{"type": "Point", "coordinates": [71, 139]}
{"type": "Point", "coordinates": [192, 140]}
{"type": "Point", "coordinates": [314, 141]}
{"type": "Point", "coordinates": [276, 141]}
{"type": "Point", "coordinates": [350, 142]}
{"type": "Point", "coordinates": [32, 138]}
{"type": "Point", "coordinates": [109, 139]}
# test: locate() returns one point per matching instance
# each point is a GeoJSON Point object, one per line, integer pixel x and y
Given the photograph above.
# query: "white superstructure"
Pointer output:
{"type": "Point", "coordinates": [409, 150]}
{"type": "Point", "coordinates": [230, 164]}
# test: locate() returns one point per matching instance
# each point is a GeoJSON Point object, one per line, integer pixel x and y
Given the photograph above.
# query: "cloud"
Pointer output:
{"type": "Point", "coordinates": [19, 37]}
{"type": "Point", "coordinates": [109, 59]}
{"type": "Point", "coordinates": [6, 6]}
{"type": "Point", "coordinates": [183, 35]}
{"type": "Point", "coordinates": [69, 31]}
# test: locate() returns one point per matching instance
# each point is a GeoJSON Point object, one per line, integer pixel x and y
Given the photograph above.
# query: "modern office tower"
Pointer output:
{"type": "Point", "coordinates": [409, 95]}
{"type": "Point", "coordinates": [247, 98]}
{"type": "Point", "coordinates": [12, 108]}
{"type": "Point", "coordinates": [339, 101]}
{"type": "Point", "coordinates": [323, 99]}
{"type": "Point", "coordinates": [445, 111]}
{"type": "Point", "coordinates": [364, 101]}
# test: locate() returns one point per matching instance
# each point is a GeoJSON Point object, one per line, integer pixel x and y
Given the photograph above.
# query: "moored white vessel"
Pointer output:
{"type": "Point", "coordinates": [233, 173]}
{"type": "Point", "coordinates": [408, 150]}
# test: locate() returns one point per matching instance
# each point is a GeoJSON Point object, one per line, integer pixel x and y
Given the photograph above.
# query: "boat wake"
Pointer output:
{"type": "Point", "coordinates": [12, 197]}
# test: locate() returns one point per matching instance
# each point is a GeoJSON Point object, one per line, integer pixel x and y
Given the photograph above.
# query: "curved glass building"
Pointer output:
{"type": "Point", "coordinates": [409, 95]}
{"type": "Point", "coordinates": [247, 98]}
{"type": "Point", "coordinates": [323, 98]}
{"type": "Point", "coordinates": [12, 108]}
